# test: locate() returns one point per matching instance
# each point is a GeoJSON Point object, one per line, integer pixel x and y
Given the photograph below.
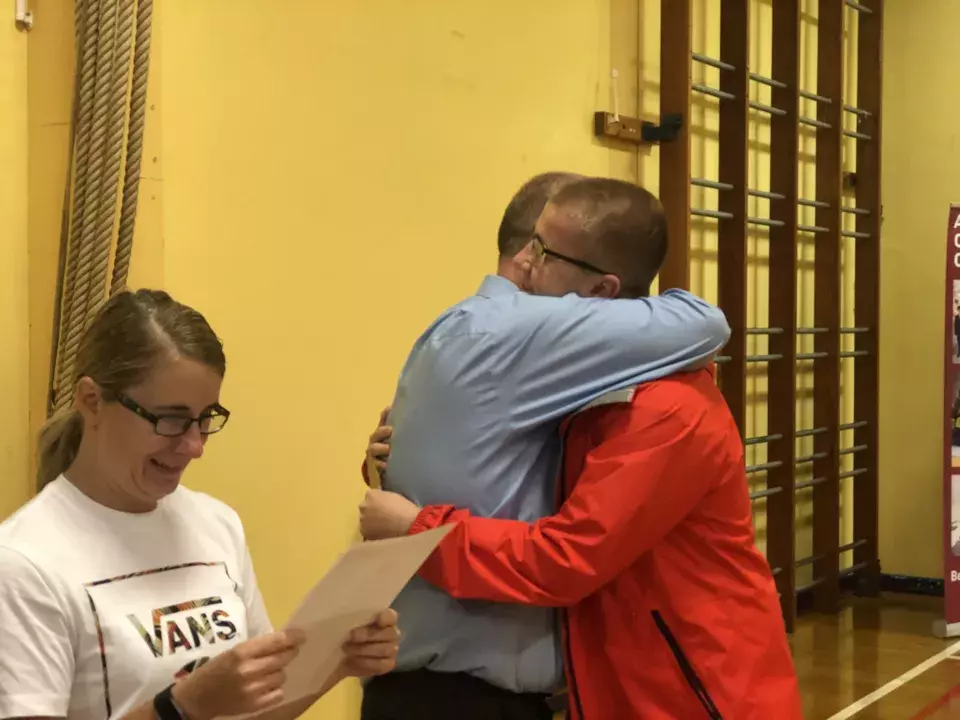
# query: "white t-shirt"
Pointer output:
{"type": "Point", "coordinates": [100, 610]}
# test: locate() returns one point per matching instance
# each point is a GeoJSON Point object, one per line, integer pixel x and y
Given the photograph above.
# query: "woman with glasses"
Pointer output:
{"type": "Point", "coordinates": [123, 593]}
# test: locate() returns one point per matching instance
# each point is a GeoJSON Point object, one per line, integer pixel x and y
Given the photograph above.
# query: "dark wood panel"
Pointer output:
{"type": "Point", "coordinates": [781, 405]}
{"type": "Point", "coordinates": [827, 295]}
{"type": "Point", "coordinates": [732, 232]}
{"type": "Point", "coordinates": [867, 291]}
{"type": "Point", "coordinates": [675, 80]}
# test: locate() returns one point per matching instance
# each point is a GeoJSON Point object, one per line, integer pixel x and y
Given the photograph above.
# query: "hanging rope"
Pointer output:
{"type": "Point", "coordinates": [82, 248]}
{"type": "Point", "coordinates": [86, 38]}
{"type": "Point", "coordinates": [109, 112]}
{"type": "Point", "coordinates": [131, 182]}
{"type": "Point", "coordinates": [114, 152]}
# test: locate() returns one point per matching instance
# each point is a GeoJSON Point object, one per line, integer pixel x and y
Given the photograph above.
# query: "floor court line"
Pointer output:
{"type": "Point", "coordinates": [898, 682]}
{"type": "Point", "coordinates": [937, 704]}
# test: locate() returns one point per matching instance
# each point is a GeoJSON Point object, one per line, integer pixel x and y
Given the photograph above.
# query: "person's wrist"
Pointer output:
{"type": "Point", "coordinates": [185, 699]}
{"type": "Point", "coordinates": [409, 518]}
{"type": "Point", "coordinates": [420, 523]}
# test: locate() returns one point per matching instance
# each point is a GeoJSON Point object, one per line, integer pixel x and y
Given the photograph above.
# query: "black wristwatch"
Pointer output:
{"type": "Point", "coordinates": [165, 707]}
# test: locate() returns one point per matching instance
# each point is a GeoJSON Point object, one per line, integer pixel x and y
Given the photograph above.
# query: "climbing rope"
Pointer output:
{"type": "Point", "coordinates": [131, 181]}
{"type": "Point", "coordinates": [86, 38]}
{"type": "Point", "coordinates": [106, 145]}
{"type": "Point", "coordinates": [99, 153]}
{"type": "Point", "coordinates": [113, 161]}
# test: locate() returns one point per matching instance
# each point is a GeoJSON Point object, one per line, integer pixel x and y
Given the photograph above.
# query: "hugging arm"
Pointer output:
{"type": "Point", "coordinates": [624, 502]}
{"type": "Point", "coordinates": [576, 349]}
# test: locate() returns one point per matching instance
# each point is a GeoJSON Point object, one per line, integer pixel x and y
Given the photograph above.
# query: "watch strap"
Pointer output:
{"type": "Point", "coordinates": [165, 707]}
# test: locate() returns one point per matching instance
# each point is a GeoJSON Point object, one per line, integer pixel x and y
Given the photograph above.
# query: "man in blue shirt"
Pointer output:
{"type": "Point", "coordinates": [475, 420]}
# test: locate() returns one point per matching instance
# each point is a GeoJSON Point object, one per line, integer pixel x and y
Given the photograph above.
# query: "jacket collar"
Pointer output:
{"type": "Point", "coordinates": [614, 397]}
{"type": "Point", "coordinates": [623, 396]}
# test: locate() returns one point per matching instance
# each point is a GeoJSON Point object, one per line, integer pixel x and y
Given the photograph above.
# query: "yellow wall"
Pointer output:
{"type": "Point", "coordinates": [50, 88]}
{"type": "Point", "coordinates": [14, 357]}
{"type": "Point", "coordinates": [921, 177]}
{"type": "Point", "coordinates": [317, 160]}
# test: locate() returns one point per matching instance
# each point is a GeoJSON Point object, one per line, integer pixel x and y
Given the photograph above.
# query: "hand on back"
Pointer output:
{"type": "Point", "coordinates": [379, 448]}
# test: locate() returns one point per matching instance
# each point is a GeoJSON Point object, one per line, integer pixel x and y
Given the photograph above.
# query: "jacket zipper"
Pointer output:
{"type": "Point", "coordinates": [686, 668]}
{"type": "Point", "coordinates": [573, 690]}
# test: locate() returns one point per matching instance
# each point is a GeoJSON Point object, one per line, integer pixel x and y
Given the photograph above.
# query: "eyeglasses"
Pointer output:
{"type": "Point", "coordinates": [541, 251]}
{"type": "Point", "coordinates": [210, 422]}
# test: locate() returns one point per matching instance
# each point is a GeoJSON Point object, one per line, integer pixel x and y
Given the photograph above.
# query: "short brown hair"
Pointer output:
{"type": "Point", "coordinates": [624, 229]}
{"type": "Point", "coordinates": [118, 350]}
{"type": "Point", "coordinates": [521, 215]}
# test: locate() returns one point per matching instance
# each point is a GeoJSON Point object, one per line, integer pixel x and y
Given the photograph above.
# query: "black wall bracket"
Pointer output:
{"type": "Point", "coordinates": [637, 131]}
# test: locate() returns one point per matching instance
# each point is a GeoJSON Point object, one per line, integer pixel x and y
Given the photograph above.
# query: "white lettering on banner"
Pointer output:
{"type": "Point", "coordinates": [956, 222]}
{"type": "Point", "coordinates": [954, 576]}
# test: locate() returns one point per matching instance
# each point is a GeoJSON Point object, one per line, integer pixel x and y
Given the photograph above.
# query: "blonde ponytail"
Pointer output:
{"type": "Point", "coordinates": [58, 445]}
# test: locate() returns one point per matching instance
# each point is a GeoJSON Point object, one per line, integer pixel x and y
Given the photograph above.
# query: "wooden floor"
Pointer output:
{"type": "Point", "coordinates": [842, 659]}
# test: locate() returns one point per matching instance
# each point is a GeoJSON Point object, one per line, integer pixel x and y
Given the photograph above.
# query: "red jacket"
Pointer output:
{"type": "Point", "coordinates": [671, 611]}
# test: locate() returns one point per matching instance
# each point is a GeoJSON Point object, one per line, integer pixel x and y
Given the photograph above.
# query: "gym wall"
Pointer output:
{"type": "Point", "coordinates": [15, 484]}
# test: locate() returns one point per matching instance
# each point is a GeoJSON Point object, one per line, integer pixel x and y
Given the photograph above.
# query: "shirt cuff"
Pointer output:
{"type": "Point", "coordinates": [36, 705]}
{"type": "Point", "coordinates": [430, 517]}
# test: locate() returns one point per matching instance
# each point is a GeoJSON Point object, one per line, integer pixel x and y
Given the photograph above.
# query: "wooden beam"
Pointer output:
{"type": "Point", "coordinates": [827, 294]}
{"type": "Point", "coordinates": [866, 492]}
{"type": "Point", "coordinates": [782, 376]}
{"type": "Point", "coordinates": [732, 232]}
{"type": "Point", "coordinates": [675, 80]}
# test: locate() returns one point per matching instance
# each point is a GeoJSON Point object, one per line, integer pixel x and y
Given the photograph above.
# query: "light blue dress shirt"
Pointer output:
{"type": "Point", "coordinates": [475, 419]}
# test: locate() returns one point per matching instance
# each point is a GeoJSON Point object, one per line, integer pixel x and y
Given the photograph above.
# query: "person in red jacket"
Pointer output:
{"type": "Point", "coordinates": [671, 612]}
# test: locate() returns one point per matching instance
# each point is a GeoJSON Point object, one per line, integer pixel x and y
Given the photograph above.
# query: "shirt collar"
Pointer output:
{"type": "Point", "coordinates": [495, 286]}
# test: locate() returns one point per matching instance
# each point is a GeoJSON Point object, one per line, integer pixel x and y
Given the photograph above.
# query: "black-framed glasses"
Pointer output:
{"type": "Point", "coordinates": [541, 251]}
{"type": "Point", "coordinates": [211, 421]}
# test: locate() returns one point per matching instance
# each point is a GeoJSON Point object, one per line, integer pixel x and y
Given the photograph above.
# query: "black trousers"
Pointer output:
{"type": "Point", "coordinates": [426, 695]}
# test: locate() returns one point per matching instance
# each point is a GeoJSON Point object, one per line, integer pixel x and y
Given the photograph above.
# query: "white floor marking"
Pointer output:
{"type": "Point", "coordinates": [876, 695]}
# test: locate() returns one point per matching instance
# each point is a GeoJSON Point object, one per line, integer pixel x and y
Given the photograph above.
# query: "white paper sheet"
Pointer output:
{"type": "Point", "coordinates": [362, 582]}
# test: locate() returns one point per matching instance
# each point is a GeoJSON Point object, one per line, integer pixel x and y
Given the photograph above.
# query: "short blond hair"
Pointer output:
{"type": "Point", "coordinates": [623, 228]}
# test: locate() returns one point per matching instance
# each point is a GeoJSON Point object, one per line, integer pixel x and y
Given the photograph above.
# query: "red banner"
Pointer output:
{"type": "Point", "coordinates": [951, 465]}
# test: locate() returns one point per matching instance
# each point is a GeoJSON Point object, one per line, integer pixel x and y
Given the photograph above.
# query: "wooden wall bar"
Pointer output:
{"type": "Point", "coordinates": [675, 79]}
{"type": "Point", "coordinates": [867, 295]}
{"type": "Point", "coordinates": [781, 404]}
{"type": "Point", "coordinates": [827, 294]}
{"type": "Point", "coordinates": [732, 231]}
{"type": "Point", "coordinates": [791, 113]}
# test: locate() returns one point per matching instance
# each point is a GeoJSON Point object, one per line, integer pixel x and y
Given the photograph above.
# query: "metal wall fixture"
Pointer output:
{"type": "Point", "coordinates": [22, 15]}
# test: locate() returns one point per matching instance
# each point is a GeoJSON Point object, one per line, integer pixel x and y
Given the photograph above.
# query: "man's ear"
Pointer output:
{"type": "Point", "coordinates": [607, 287]}
{"type": "Point", "coordinates": [523, 260]}
{"type": "Point", "coordinates": [89, 401]}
